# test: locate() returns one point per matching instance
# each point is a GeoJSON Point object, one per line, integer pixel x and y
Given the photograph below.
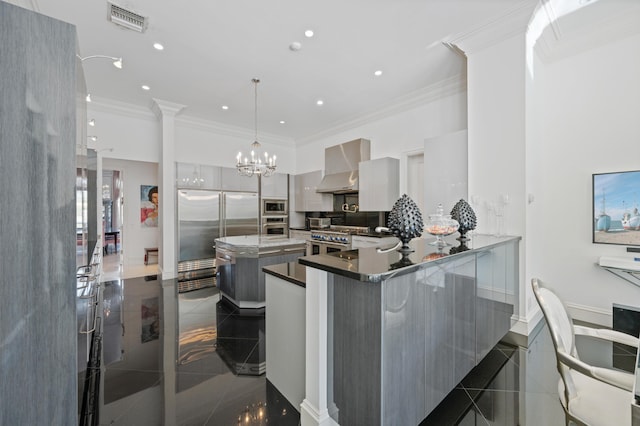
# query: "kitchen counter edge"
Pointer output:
{"type": "Point", "coordinates": [340, 266]}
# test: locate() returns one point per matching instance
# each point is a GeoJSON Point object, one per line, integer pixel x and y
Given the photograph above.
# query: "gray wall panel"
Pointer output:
{"type": "Point", "coordinates": [38, 369]}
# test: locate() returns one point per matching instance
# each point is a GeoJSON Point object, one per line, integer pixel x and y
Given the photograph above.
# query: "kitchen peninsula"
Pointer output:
{"type": "Point", "coordinates": [239, 263]}
{"type": "Point", "coordinates": [388, 337]}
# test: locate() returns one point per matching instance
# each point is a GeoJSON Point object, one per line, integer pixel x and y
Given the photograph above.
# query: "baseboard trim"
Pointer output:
{"type": "Point", "coordinates": [310, 416]}
{"type": "Point", "coordinates": [589, 314]}
{"type": "Point", "coordinates": [525, 330]}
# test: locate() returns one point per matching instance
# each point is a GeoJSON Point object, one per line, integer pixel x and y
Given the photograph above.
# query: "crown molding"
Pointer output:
{"type": "Point", "coordinates": [442, 89]}
{"type": "Point", "coordinates": [558, 43]}
{"type": "Point", "coordinates": [121, 108]}
{"type": "Point", "coordinates": [164, 108]}
{"type": "Point", "coordinates": [233, 131]}
{"type": "Point", "coordinates": [135, 111]}
{"type": "Point", "coordinates": [513, 22]}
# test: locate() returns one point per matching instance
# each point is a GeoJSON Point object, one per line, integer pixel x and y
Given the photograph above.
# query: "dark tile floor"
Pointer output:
{"type": "Point", "coordinates": [174, 359]}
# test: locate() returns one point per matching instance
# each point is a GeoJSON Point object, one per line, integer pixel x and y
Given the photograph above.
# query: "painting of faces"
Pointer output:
{"type": "Point", "coordinates": [148, 206]}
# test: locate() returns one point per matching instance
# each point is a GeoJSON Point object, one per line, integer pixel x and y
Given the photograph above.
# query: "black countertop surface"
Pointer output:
{"type": "Point", "coordinates": [367, 265]}
{"type": "Point", "coordinates": [293, 272]}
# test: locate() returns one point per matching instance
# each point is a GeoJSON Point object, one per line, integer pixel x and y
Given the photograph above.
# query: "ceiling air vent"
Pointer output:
{"type": "Point", "coordinates": [126, 18]}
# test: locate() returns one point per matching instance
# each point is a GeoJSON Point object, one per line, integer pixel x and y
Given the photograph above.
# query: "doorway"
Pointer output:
{"type": "Point", "coordinates": [112, 218]}
{"type": "Point", "coordinates": [414, 178]}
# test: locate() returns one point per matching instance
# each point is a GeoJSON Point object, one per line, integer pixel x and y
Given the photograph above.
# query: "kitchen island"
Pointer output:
{"type": "Point", "coordinates": [388, 337]}
{"type": "Point", "coordinates": [239, 263]}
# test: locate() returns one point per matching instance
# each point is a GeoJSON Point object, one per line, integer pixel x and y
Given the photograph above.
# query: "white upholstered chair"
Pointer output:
{"type": "Point", "coordinates": [589, 395]}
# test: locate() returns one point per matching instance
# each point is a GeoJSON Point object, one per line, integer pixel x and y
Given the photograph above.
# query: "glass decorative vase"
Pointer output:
{"type": "Point", "coordinates": [440, 225]}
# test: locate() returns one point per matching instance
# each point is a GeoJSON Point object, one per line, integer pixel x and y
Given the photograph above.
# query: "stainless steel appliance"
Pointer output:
{"type": "Point", "coordinates": [275, 225]}
{"type": "Point", "coordinates": [334, 239]}
{"type": "Point", "coordinates": [273, 207]}
{"type": "Point", "coordinates": [319, 222]}
{"type": "Point", "coordinates": [341, 164]}
{"type": "Point", "coordinates": [204, 216]}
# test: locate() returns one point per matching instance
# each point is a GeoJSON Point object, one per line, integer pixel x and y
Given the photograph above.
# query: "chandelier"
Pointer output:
{"type": "Point", "coordinates": [256, 165]}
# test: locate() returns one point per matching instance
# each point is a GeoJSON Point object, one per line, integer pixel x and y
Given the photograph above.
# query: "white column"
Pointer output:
{"type": "Point", "coordinates": [496, 102]}
{"type": "Point", "coordinates": [167, 112]}
{"type": "Point", "coordinates": [314, 408]}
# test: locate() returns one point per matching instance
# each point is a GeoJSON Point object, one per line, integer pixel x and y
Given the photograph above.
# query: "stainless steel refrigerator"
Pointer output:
{"type": "Point", "coordinates": [204, 216]}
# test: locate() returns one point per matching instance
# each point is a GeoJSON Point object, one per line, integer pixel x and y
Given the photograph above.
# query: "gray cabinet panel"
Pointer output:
{"type": "Point", "coordinates": [379, 184]}
{"type": "Point", "coordinates": [414, 337]}
{"type": "Point", "coordinates": [306, 197]}
{"type": "Point", "coordinates": [276, 186]}
{"type": "Point", "coordinates": [232, 181]}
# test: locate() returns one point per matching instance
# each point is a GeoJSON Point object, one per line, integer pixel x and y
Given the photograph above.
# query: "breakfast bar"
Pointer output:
{"type": "Point", "coordinates": [389, 336]}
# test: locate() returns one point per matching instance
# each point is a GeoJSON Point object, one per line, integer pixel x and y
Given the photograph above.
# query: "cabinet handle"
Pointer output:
{"type": "Point", "coordinates": [270, 252]}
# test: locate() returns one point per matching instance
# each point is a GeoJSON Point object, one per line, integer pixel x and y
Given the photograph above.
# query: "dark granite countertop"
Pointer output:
{"type": "Point", "coordinates": [293, 272]}
{"type": "Point", "coordinates": [367, 265]}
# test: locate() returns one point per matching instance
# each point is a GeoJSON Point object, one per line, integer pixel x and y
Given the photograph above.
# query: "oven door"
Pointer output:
{"type": "Point", "coordinates": [275, 226]}
{"type": "Point", "coordinates": [274, 207]}
{"type": "Point", "coordinates": [274, 230]}
{"type": "Point", "coordinates": [316, 247]}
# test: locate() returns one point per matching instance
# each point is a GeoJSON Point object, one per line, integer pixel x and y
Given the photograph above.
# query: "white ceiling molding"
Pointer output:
{"type": "Point", "coordinates": [233, 131]}
{"type": "Point", "coordinates": [434, 92]}
{"type": "Point", "coordinates": [514, 21]}
{"type": "Point", "coordinates": [597, 29]}
{"type": "Point", "coordinates": [121, 108]}
{"type": "Point", "coordinates": [164, 108]}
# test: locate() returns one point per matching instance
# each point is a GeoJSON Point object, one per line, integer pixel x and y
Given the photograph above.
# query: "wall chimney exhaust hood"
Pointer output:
{"type": "Point", "coordinates": [341, 166]}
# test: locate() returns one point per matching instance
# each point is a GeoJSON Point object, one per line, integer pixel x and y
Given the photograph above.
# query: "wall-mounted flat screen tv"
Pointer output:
{"type": "Point", "coordinates": [616, 204]}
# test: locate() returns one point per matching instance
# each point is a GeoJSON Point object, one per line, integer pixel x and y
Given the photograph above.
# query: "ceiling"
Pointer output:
{"type": "Point", "coordinates": [214, 48]}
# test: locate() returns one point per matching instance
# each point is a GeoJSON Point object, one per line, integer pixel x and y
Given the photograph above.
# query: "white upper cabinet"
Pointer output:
{"type": "Point", "coordinates": [275, 186]}
{"type": "Point", "coordinates": [197, 176]}
{"type": "Point", "coordinates": [232, 181]}
{"type": "Point", "coordinates": [379, 184]}
{"type": "Point", "coordinates": [306, 197]}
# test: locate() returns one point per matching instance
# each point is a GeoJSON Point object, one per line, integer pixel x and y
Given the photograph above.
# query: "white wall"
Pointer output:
{"type": "Point", "coordinates": [496, 145]}
{"type": "Point", "coordinates": [393, 135]}
{"type": "Point", "coordinates": [587, 109]}
{"type": "Point", "coordinates": [202, 143]}
{"type": "Point", "coordinates": [134, 238]}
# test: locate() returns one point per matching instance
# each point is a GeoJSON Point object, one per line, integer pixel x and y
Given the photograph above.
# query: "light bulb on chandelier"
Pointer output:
{"type": "Point", "coordinates": [256, 165]}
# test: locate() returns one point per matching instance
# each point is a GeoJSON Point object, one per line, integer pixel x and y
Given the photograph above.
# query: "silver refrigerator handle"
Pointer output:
{"type": "Point", "coordinates": [223, 216]}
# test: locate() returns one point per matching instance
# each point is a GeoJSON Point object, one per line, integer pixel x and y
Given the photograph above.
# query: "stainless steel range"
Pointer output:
{"type": "Point", "coordinates": [333, 239]}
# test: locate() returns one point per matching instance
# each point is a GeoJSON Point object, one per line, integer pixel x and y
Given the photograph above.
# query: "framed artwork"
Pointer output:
{"type": "Point", "coordinates": [149, 206]}
{"type": "Point", "coordinates": [616, 219]}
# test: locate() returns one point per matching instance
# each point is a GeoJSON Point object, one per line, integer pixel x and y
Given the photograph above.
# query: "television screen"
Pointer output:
{"type": "Point", "coordinates": [616, 198]}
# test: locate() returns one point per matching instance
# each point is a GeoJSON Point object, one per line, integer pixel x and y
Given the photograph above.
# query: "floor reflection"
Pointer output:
{"type": "Point", "coordinates": [192, 373]}
{"type": "Point", "coordinates": [188, 375]}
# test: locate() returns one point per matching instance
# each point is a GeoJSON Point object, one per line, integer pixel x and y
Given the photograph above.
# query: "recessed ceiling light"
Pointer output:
{"type": "Point", "coordinates": [145, 87]}
{"type": "Point", "coordinates": [225, 107]}
{"type": "Point", "coordinates": [377, 73]}
{"type": "Point", "coordinates": [319, 102]}
{"type": "Point", "coordinates": [88, 97]}
{"type": "Point", "coordinates": [295, 46]}
{"type": "Point", "coordinates": [308, 33]}
{"type": "Point", "coordinates": [281, 121]}
{"type": "Point", "coordinates": [92, 122]}
{"type": "Point", "coordinates": [158, 46]}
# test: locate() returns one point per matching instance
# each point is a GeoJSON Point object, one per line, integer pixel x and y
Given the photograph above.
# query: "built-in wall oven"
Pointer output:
{"type": "Point", "coordinates": [275, 225]}
{"type": "Point", "coordinates": [273, 207]}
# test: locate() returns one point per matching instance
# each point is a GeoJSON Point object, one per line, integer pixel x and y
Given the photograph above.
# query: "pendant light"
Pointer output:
{"type": "Point", "coordinates": [256, 164]}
